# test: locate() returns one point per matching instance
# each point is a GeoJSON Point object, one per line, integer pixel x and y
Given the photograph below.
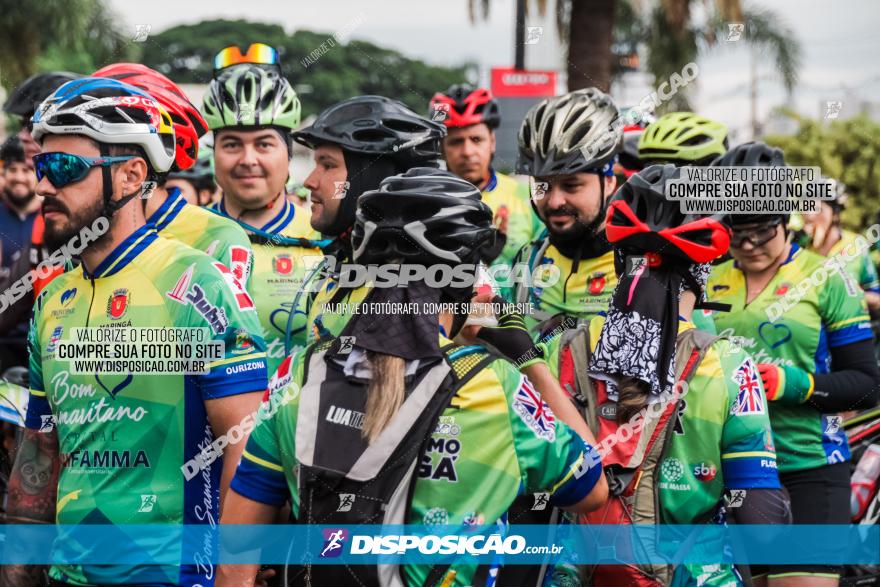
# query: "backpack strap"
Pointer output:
{"type": "Point", "coordinates": [521, 292]}
{"type": "Point", "coordinates": [574, 346]}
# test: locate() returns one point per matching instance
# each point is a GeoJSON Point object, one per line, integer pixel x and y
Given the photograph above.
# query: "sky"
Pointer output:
{"type": "Point", "coordinates": [839, 42]}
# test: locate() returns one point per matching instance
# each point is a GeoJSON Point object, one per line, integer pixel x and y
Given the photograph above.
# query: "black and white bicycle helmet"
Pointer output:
{"type": "Point", "coordinates": [424, 216]}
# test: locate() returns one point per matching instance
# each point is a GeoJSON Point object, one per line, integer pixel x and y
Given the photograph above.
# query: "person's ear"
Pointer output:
{"type": "Point", "coordinates": [610, 184]}
{"type": "Point", "coordinates": [132, 175]}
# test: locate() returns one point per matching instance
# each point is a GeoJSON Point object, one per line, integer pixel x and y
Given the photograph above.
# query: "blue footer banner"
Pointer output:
{"type": "Point", "coordinates": [370, 545]}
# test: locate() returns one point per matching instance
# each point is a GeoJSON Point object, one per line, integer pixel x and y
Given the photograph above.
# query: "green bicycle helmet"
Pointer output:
{"type": "Point", "coordinates": [683, 138]}
{"type": "Point", "coordinates": [249, 94]}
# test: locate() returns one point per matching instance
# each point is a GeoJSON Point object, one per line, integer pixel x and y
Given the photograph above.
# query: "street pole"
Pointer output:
{"type": "Point", "coordinates": [519, 61]}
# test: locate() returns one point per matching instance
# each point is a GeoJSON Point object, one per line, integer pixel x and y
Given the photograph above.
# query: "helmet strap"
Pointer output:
{"type": "Point", "coordinates": [111, 206]}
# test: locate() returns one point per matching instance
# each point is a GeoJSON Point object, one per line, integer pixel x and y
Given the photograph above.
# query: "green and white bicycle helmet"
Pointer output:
{"type": "Point", "coordinates": [250, 94]}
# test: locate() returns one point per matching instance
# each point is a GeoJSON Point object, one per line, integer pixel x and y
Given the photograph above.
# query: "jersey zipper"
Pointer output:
{"type": "Point", "coordinates": [91, 301]}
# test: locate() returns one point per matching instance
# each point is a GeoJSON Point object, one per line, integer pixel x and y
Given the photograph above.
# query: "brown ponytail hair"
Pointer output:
{"type": "Point", "coordinates": [632, 396]}
{"type": "Point", "coordinates": [385, 393]}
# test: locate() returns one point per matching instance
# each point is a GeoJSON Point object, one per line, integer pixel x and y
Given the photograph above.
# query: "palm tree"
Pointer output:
{"type": "Point", "coordinates": [666, 29]}
{"type": "Point", "coordinates": [672, 41]}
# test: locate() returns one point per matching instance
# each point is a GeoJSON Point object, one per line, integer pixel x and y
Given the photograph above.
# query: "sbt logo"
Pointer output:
{"type": "Point", "coordinates": [705, 471]}
{"type": "Point", "coordinates": [433, 544]}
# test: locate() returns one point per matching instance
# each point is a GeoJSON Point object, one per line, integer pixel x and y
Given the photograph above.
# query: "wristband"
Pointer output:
{"type": "Point", "coordinates": [798, 386]}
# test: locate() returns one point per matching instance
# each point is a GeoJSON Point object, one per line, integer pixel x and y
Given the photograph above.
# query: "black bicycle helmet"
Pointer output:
{"type": "Point", "coordinates": [641, 219]}
{"type": "Point", "coordinates": [629, 153]}
{"type": "Point", "coordinates": [579, 131]}
{"type": "Point", "coordinates": [201, 174]}
{"type": "Point", "coordinates": [753, 154]}
{"type": "Point", "coordinates": [425, 216]}
{"type": "Point", "coordinates": [12, 151]}
{"type": "Point", "coordinates": [375, 125]}
{"type": "Point", "coordinates": [25, 98]}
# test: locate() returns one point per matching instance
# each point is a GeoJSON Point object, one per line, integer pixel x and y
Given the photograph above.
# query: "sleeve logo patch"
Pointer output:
{"type": "Point", "coordinates": [242, 299]}
{"type": "Point", "coordinates": [534, 411]}
{"type": "Point", "coordinates": [749, 399]}
{"type": "Point", "coordinates": [240, 263]}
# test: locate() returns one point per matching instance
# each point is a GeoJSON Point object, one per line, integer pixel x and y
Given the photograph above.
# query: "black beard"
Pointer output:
{"type": "Point", "coordinates": [17, 201]}
{"type": "Point", "coordinates": [56, 238]}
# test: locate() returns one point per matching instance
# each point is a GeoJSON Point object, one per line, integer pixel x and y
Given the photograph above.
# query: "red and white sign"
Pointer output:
{"type": "Point", "coordinates": [508, 82]}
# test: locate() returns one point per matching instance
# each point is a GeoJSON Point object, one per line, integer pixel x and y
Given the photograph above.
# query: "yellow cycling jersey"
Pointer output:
{"type": "Point", "coordinates": [509, 200]}
{"type": "Point", "coordinates": [279, 271]}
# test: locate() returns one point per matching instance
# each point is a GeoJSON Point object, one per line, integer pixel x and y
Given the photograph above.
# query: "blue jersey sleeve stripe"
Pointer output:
{"type": "Point", "coordinates": [753, 473]}
{"type": "Point", "coordinates": [850, 334]}
{"type": "Point", "coordinates": [259, 484]}
{"type": "Point", "coordinates": [38, 406]}
{"type": "Point", "coordinates": [582, 477]}
{"type": "Point", "coordinates": [235, 379]}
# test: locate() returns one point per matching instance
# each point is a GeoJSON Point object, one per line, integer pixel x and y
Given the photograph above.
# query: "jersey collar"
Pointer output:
{"type": "Point", "coordinates": [493, 181]}
{"type": "Point", "coordinates": [124, 253]}
{"type": "Point", "coordinates": [277, 224]}
{"type": "Point", "coordinates": [168, 211]}
{"type": "Point", "coordinates": [795, 248]}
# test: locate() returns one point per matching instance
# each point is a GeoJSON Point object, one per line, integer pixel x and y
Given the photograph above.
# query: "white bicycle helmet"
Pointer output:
{"type": "Point", "coordinates": [110, 112]}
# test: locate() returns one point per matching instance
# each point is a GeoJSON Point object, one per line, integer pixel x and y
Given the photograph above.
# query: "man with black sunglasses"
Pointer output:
{"type": "Point", "coordinates": [110, 442]}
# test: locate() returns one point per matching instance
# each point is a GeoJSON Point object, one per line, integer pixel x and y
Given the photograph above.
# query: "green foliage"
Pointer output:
{"type": "Point", "coordinates": [847, 150]}
{"type": "Point", "coordinates": [72, 35]}
{"type": "Point", "coordinates": [323, 70]}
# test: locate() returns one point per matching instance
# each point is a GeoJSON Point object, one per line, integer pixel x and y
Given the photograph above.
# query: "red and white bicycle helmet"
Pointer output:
{"type": "Point", "coordinates": [189, 125]}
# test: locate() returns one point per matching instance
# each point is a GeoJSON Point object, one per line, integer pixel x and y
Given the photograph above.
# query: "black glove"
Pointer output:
{"type": "Point", "coordinates": [511, 337]}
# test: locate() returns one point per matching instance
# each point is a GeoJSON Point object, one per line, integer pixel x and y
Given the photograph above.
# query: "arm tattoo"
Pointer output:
{"type": "Point", "coordinates": [32, 489]}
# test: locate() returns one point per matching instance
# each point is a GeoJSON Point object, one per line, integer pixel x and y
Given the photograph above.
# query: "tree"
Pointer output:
{"type": "Point", "coordinates": [847, 150]}
{"type": "Point", "coordinates": [665, 29]}
{"type": "Point", "coordinates": [75, 35]}
{"type": "Point", "coordinates": [673, 40]}
{"type": "Point", "coordinates": [185, 53]}
{"type": "Point", "coordinates": [586, 27]}
{"type": "Point", "coordinates": [323, 68]}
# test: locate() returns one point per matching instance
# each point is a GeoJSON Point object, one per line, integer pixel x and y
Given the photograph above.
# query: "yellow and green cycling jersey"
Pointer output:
{"type": "Point", "coordinates": [788, 324]}
{"type": "Point", "coordinates": [124, 437]}
{"type": "Point", "coordinates": [721, 440]}
{"type": "Point", "coordinates": [279, 272]}
{"type": "Point", "coordinates": [497, 439]}
{"type": "Point", "coordinates": [509, 199]}
{"type": "Point", "coordinates": [218, 237]}
{"type": "Point", "coordinates": [580, 295]}
{"type": "Point", "coordinates": [853, 249]}
{"type": "Point", "coordinates": [328, 313]}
